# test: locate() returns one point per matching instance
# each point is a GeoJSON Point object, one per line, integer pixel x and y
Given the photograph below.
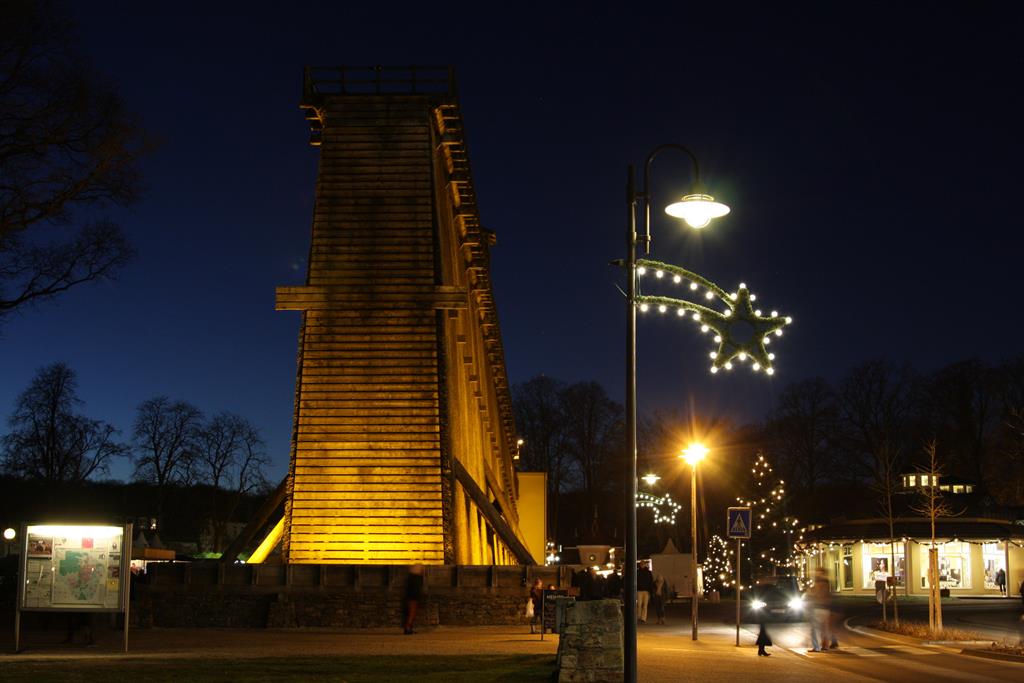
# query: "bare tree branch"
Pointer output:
{"type": "Point", "coordinates": [67, 148]}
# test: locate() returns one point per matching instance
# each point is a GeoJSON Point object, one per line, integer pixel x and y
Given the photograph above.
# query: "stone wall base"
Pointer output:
{"type": "Point", "coordinates": [590, 646]}
{"type": "Point", "coordinates": [339, 597]}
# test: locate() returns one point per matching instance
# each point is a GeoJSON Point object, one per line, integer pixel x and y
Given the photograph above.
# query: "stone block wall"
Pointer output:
{"type": "Point", "coordinates": [310, 596]}
{"type": "Point", "coordinates": [590, 647]}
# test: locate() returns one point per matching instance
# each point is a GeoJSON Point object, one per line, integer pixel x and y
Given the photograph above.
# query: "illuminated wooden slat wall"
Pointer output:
{"type": "Point", "coordinates": [387, 296]}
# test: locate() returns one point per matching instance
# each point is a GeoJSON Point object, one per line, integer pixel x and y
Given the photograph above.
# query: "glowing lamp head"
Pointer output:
{"type": "Point", "coordinates": [694, 453]}
{"type": "Point", "coordinates": [697, 209]}
{"type": "Point", "coordinates": [651, 478]}
{"type": "Point", "coordinates": [9, 534]}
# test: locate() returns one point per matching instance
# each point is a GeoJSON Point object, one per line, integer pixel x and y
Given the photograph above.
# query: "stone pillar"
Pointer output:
{"type": "Point", "coordinates": [590, 646]}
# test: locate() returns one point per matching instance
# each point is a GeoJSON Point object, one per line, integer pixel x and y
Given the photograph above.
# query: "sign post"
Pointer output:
{"type": "Point", "coordinates": [737, 524]}
{"type": "Point", "coordinates": [74, 568]}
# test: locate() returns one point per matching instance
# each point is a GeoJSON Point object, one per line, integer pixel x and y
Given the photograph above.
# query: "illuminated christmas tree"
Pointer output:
{"type": "Point", "coordinates": [718, 566]}
{"type": "Point", "coordinates": [771, 544]}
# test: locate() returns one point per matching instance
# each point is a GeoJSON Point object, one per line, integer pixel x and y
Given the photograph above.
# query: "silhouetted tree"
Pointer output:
{"type": "Point", "coordinates": [541, 425]}
{"type": "Point", "coordinates": [1007, 479]}
{"type": "Point", "coordinates": [48, 441]}
{"type": "Point", "coordinates": [593, 431]}
{"type": "Point", "coordinates": [230, 458]}
{"type": "Point", "coordinates": [68, 149]}
{"type": "Point", "coordinates": [962, 411]}
{"type": "Point", "coordinates": [802, 430]}
{"type": "Point", "coordinates": [876, 410]}
{"type": "Point", "coordinates": [165, 435]}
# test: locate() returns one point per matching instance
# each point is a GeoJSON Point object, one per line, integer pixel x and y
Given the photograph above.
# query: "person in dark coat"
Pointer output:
{"type": "Point", "coordinates": [644, 588]}
{"type": "Point", "coordinates": [537, 598]}
{"type": "Point", "coordinates": [587, 585]}
{"type": "Point", "coordinates": [614, 586]}
{"type": "Point", "coordinates": [413, 595]}
{"type": "Point", "coordinates": [763, 639]}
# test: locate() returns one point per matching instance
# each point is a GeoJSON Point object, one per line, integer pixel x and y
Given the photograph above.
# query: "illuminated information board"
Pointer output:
{"type": "Point", "coordinates": [74, 568]}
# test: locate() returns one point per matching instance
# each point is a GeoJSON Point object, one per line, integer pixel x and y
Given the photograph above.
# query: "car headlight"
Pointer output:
{"type": "Point", "coordinates": [758, 604]}
{"type": "Point", "coordinates": [796, 604]}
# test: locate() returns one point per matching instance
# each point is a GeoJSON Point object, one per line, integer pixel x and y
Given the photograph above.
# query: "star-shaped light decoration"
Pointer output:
{"type": "Point", "coordinates": [741, 331]}
{"type": "Point", "coordinates": [665, 509]}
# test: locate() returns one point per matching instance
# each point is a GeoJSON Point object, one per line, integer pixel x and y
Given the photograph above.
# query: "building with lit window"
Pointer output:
{"type": "Point", "coordinates": [856, 554]}
{"type": "Point", "coordinates": [979, 554]}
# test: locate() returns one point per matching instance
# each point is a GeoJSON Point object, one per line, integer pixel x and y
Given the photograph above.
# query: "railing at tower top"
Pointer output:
{"type": "Point", "coordinates": [378, 80]}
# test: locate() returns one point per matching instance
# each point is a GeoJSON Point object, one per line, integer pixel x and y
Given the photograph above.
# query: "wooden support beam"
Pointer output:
{"type": "Point", "coordinates": [494, 518]}
{"type": "Point", "coordinates": [259, 520]}
{"type": "Point", "coordinates": [324, 297]}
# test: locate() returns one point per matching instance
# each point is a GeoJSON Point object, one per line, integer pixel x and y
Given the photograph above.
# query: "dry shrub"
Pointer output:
{"type": "Point", "coordinates": [916, 629]}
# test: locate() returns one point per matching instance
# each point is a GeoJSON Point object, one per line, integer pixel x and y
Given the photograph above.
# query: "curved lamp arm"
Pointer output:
{"type": "Point", "coordinates": [646, 190]}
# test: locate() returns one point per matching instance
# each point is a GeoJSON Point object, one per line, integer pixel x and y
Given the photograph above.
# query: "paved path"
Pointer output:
{"type": "Point", "coordinates": [666, 653]}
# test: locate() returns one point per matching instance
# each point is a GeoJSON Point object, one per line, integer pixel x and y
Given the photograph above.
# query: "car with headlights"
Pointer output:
{"type": "Point", "coordinates": [776, 602]}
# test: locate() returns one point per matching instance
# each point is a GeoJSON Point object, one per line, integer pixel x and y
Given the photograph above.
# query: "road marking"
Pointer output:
{"type": "Point", "coordinates": [857, 651]}
{"type": "Point", "coordinates": [922, 670]}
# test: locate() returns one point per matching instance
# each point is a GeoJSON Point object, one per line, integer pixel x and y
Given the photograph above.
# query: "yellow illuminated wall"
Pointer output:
{"type": "Point", "coordinates": [533, 512]}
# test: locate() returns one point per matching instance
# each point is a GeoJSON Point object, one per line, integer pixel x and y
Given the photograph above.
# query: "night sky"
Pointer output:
{"type": "Point", "coordinates": [871, 157]}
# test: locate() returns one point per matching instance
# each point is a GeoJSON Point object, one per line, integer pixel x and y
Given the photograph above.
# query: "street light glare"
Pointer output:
{"type": "Point", "coordinates": [694, 453]}
{"type": "Point", "coordinates": [651, 478]}
{"type": "Point", "coordinates": [697, 209]}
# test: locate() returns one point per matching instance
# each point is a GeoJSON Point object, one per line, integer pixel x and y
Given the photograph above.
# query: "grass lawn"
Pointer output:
{"type": "Point", "coordinates": [423, 669]}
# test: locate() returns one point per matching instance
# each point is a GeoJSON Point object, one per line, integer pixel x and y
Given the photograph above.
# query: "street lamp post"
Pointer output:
{"type": "Point", "coordinates": [9, 534]}
{"type": "Point", "coordinates": [693, 455]}
{"type": "Point", "coordinates": [697, 209]}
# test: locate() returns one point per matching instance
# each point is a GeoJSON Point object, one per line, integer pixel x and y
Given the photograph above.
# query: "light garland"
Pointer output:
{"type": "Point", "coordinates": [885, 541]}
{"type": "Point", "coordinates": [665, 509]}
{"type": "Point", "coordinates": [731, 326]}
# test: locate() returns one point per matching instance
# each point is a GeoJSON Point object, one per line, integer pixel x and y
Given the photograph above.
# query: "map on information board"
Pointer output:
{"type": "Point", "coordinates": [80, 577]}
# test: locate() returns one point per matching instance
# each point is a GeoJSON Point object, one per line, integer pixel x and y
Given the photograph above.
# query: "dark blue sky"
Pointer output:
{"type": "Point", "coordinates": [871, 157]}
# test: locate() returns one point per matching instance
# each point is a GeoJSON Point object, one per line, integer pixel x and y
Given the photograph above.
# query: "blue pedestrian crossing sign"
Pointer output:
{"type": "Point", "coordinates": [738, 523]}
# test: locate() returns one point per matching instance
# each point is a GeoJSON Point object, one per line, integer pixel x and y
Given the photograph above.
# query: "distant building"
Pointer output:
{"type": "Point", "coordinates": [913, 483]}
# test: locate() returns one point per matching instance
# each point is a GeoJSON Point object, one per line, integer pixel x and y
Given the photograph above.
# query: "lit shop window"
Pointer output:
{"type": "Point", "coordinates": [878, 563]}
{"type": "Point", "coordinates": [954, 565]}
{"type": "Point", "coordinates": [994, 558]}
{"type": "Point", "coordinates": [848, 566]}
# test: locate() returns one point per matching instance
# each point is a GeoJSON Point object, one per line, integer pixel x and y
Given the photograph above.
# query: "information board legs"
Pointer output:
{"type": "Point", "coordinates": [738, 546]}
{"type": "Point", "coordinates": [17, 631]}
{"type": "Point", "coordinates": [126, 567]}
{"type": "Point", "coordinates": [127, 607]}
{"type": "Point", "coordinates": [543, 605]}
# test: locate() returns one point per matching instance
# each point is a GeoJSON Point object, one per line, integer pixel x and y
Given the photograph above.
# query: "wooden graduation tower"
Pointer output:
{"type": "Point", "coordinates": [403, 439]}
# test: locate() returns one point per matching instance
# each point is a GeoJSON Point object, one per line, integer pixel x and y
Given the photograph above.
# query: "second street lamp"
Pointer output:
{"type": "Point", "coordinates": [693, 454]}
